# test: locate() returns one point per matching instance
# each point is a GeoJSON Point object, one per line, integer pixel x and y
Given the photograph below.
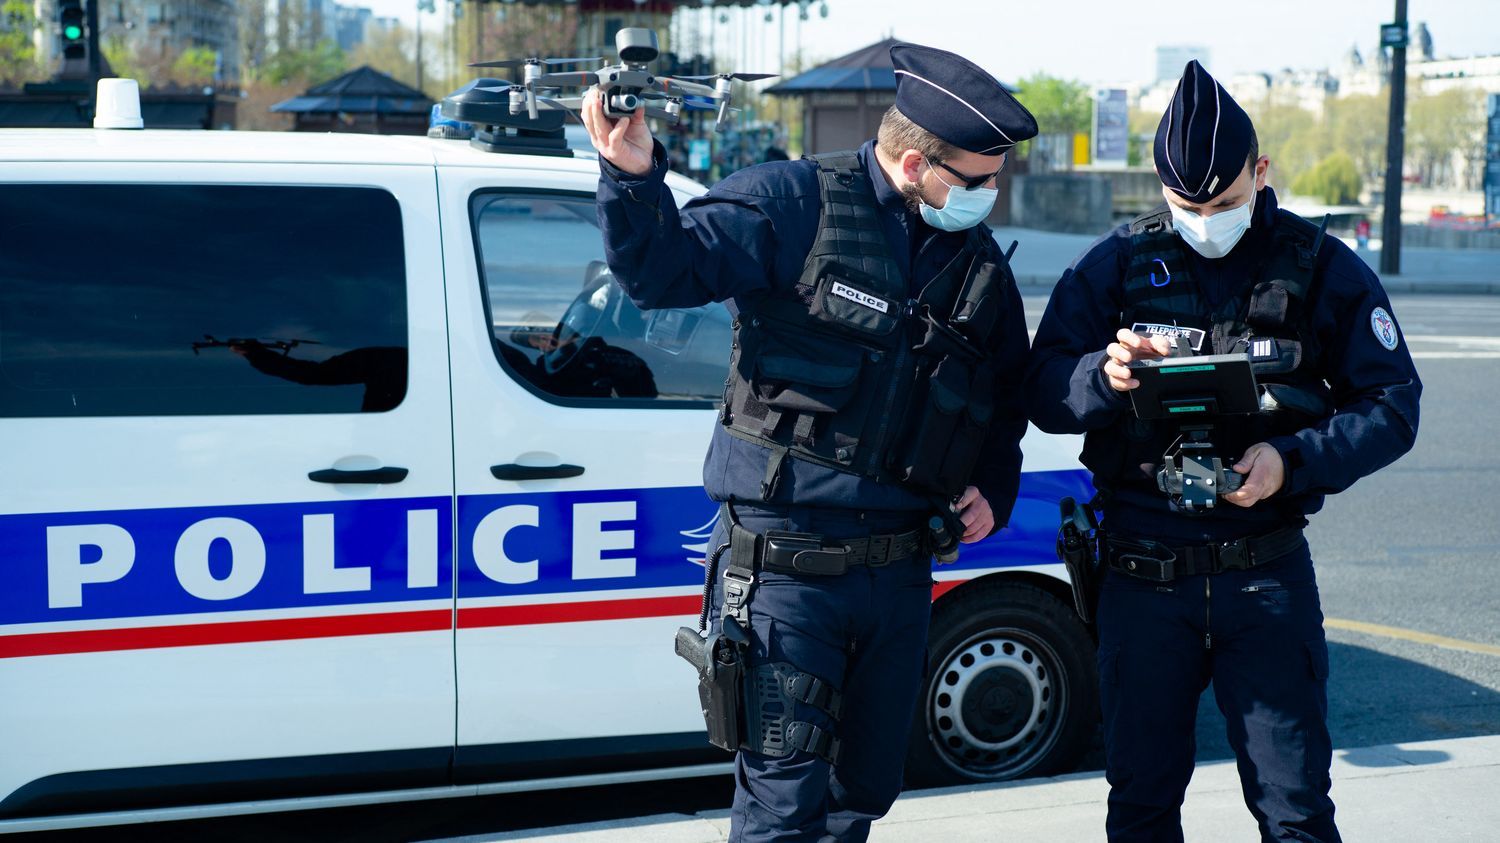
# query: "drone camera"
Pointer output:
{"type": "Point", "coordinates": [637, 45]}
{"type": "Point", "coordinates": [624, 103]}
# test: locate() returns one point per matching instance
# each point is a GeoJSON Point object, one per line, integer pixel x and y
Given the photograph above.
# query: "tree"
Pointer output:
{"type": "Point", "coordinates": [390, 51]}
{"type": "Point", "coordinates": [306, 66]}
{"type": "Point", "coordinates": [1060, 106]}
{"type": "Point", "coordinates": [18, 58]}
{"type": "Point", "coordinates": [195, 66]}
{"type": "Point", "coordinates": [1334, 181]}
{"type": "Point", "coordinates": [1293, 138]}
{"type": "Point", "coordinates": [1445, 134]}
{"type": "Point", "coordinates": [1358, 127]}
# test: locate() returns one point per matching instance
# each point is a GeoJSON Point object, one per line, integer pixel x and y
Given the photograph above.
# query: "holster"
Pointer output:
{"type": "Point", "coordinates": [720, 663]}
{"type": "Point", "coordinates": [1078, 542]}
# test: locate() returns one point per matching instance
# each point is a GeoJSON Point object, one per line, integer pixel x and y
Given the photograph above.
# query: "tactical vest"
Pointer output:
{"type": "Point", "coordinates": [1162, 298]}
{"type": "Point", "coordinates": [848, 370]}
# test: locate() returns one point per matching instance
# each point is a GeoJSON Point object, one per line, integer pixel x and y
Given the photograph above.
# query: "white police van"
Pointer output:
{"type": "Point", "coordinates": [335, 468]}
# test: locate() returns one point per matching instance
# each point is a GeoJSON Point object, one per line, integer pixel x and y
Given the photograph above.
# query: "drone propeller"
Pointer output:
{"type": "Point", "coordinates": [741, 77]}
{"type": "Point", "coordinates": [533, 60]}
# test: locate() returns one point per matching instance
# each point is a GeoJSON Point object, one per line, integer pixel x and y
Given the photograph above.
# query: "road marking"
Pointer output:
{"type": "Point", "coordinates": [1478, 342]}
{"type": "Point", "coordinates": [1412, 635]}
{"type": "Point", "coordinates": [1491, 346]}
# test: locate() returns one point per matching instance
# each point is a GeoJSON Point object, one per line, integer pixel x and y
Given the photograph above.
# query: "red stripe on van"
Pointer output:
{"type": "Point", "coordinates": [290, 629]}
{"type": "Point", "coordinates": [233, 632]}
{"type": "Point", "coordinates": [594, 610]}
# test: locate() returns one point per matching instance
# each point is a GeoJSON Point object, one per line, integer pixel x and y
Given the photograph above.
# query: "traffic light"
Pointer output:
{"type": "Point", "coordinates": [70, 18]}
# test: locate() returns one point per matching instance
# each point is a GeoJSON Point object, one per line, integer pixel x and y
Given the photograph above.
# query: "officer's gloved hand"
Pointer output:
{"type": "Point", "coordinates": [1130, 347]}
{"type": "Point", "coordinates": [625, 143]}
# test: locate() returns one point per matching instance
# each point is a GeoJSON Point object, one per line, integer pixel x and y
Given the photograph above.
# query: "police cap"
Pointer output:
{"type": "Point", "coordinates": [1203, 139]}
{"type": "Point", "coordinates": [954, 99]}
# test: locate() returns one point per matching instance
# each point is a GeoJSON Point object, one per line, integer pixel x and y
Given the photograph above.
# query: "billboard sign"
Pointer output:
{"type": "Point", "coordinates": [1111, 127]}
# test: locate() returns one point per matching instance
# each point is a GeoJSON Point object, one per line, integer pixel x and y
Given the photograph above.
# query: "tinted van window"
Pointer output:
{"type": "Point", "coordinates": [563, 327]}
{"type": "Point", "coordinates": [131, 300]}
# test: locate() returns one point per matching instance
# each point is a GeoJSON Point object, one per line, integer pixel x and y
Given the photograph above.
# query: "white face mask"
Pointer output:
{"type": "Point", "coordinates": [963, 208]}
{"type": "Point", "coordinates": [1212, 237]}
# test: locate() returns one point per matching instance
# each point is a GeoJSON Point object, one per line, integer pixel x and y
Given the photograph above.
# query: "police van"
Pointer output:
{"type": "Point", "coordinates": [336, 469]}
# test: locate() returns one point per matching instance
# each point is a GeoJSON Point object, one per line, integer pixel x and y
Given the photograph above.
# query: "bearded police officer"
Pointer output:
{"type": "Point", "coordinates": [1222, 594]}
{"type": "Point", "coordinates": [879, 342]}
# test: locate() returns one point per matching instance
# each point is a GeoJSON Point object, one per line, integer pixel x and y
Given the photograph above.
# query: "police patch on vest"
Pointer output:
{"type": "Point", "coordinates": [861, 298]}
{"type": "Point", "coordinates": [1194, 336]}
{"type": "Point", "coordinates": [1385, 329]}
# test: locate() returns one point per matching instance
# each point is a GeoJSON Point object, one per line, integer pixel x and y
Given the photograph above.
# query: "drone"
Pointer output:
{"type": "Point", "coordinates": [623, 89]}
{"type": "Point", "coordinates": [283, 346]}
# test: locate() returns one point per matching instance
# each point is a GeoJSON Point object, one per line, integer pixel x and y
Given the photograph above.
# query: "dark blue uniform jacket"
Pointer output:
{"type": "Point", "coordinates": [750, 233]}
{"type": "Point", "coordinates": [1375, 390]}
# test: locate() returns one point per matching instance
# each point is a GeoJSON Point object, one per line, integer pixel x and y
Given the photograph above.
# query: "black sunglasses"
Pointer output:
{"type": "Point", "coordinates": [969, 182]}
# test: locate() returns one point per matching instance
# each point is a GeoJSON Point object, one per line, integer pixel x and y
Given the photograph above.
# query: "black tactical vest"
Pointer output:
{"type": "Point", "coordinates": [1161, 298]}
{"type": "Point", "coordinates": [850, 371]}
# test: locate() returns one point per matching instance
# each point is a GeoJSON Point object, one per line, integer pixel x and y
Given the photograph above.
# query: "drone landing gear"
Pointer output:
{"type": "Point", "coordinates": [1191, 476]}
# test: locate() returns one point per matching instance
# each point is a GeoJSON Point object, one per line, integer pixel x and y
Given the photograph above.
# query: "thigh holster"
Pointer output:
{"type": "Point", "coordinates": [769, 725]}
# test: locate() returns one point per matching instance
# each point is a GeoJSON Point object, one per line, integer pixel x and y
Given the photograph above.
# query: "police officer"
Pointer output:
{"type": "Point", "coordinates": [1227, 594]}
{"type": "Point", "coordinates": [879, 343]}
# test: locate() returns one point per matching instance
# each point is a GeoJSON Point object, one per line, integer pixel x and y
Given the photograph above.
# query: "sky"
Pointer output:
{"type": "Point", "coordinates": [1095, 42]}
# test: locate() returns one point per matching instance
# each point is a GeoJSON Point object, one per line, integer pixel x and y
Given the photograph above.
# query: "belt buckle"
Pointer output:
{"type": "Point", "coordinates": [878, 551]}
{"type": "Point", "coordinates": [1234, 555]}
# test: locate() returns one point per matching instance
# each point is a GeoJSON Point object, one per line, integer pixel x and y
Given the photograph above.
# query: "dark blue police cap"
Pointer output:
{"type": "Point", "coordinates": [1203, 139]}
{"type": "Point", "coordinates": [954, 99]}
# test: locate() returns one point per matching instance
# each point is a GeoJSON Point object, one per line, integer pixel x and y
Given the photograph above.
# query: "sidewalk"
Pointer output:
{"type": "Point", "coordinates": [1043, 255]}
{"type": "Point", "coordinates": [1445, 790]}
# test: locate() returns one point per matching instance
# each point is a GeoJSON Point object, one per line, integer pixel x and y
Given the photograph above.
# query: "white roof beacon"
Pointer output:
{"type": "Point", "coordinates": [118, 105]}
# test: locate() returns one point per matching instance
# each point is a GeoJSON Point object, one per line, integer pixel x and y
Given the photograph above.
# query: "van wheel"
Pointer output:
{"type": "Point", "coordinates": [1012, 689]}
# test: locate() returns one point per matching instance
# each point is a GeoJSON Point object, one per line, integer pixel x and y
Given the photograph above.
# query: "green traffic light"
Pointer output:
{"type": "Point", "coordinates": [72, 33]}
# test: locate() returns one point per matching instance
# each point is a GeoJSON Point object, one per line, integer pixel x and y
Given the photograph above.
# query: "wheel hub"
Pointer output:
{"type": "Point", "coordinates": [993, 706]}
{"type": "Point", "coordinates": [998, 703]}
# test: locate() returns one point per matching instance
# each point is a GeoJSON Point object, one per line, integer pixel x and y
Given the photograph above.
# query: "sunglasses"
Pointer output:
{"type": "Point", "coordinates": [969, 182]}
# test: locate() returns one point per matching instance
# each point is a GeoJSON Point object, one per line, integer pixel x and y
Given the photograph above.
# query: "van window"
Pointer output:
{"type": "Point", "coordinates": [566, 330]}
{"type": "Point", "coordinates": [166, 300]}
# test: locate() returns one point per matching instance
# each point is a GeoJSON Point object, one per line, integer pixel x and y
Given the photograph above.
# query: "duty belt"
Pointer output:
{"type": "Point", "coordinates": [1159, 562]}
{"type": "Point", "coordinates": [810, 553]}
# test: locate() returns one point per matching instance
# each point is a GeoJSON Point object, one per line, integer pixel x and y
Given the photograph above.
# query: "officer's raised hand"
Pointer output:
{"type": "Point", "coordinates": [975, 512]}
{"type": "Point", "coordinates": [625, 143]}
{"type": "Point", "coordinates": [1128, 347]}
{"type": "Point", "coordinates": [1264, 474]}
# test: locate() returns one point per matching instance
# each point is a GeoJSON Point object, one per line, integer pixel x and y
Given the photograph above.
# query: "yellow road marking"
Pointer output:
{"type": "Point", "coordinates": [1413, 636]}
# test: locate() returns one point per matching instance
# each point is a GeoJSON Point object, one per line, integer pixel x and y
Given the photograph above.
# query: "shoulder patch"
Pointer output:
{"type": "Point", "coordinates": [1384, 328]}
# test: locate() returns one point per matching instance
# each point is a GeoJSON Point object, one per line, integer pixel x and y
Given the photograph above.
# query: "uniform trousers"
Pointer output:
{"type": "Point", "coordinates": [1257, 635]}
{"type": "Point", "coordinates": [865, 631]}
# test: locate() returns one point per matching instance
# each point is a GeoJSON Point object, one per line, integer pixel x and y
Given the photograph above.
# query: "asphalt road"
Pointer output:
{"type": "Point", "coordinates": [1408, 563]}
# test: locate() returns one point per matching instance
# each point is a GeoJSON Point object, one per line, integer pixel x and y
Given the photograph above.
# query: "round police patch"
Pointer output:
{"type": "Point", "coordinates": [1385, 329]}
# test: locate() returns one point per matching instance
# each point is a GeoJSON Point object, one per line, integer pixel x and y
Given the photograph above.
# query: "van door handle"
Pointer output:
{"type": "Point", "coordinates": [388, 474]}
{"type": "Point", "coordinates": [511, 471]}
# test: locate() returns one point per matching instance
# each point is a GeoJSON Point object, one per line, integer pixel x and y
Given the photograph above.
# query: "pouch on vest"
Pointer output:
{"type": "Point", "coordinates": [847, 299]}
{"type": "Point", "coordinates": [948, 427]}
{"type": "Point", "coordinates": [804, 373]}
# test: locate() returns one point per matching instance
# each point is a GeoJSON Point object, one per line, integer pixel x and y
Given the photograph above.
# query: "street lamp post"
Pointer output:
{"type": "Point", "coordinates": [1394, 35]}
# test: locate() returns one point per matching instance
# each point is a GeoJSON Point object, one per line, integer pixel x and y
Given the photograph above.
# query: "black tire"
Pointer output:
{"type": "Point", "coordinates": [1012, 688]}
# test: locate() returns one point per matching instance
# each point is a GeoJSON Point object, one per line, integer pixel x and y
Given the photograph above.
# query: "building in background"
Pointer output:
{"type": "Point", "coordinates": [844, 99]}
{"type": "Point", "coordinates": [1172, 58]}
{"type": "Point", "coordinates": [362, 100]}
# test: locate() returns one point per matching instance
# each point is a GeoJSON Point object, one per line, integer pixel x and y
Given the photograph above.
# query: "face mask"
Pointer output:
{"type": "Point", "coordinates": [964, 208]}
{"type": "Point", "coordinates": [1212, 237]}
